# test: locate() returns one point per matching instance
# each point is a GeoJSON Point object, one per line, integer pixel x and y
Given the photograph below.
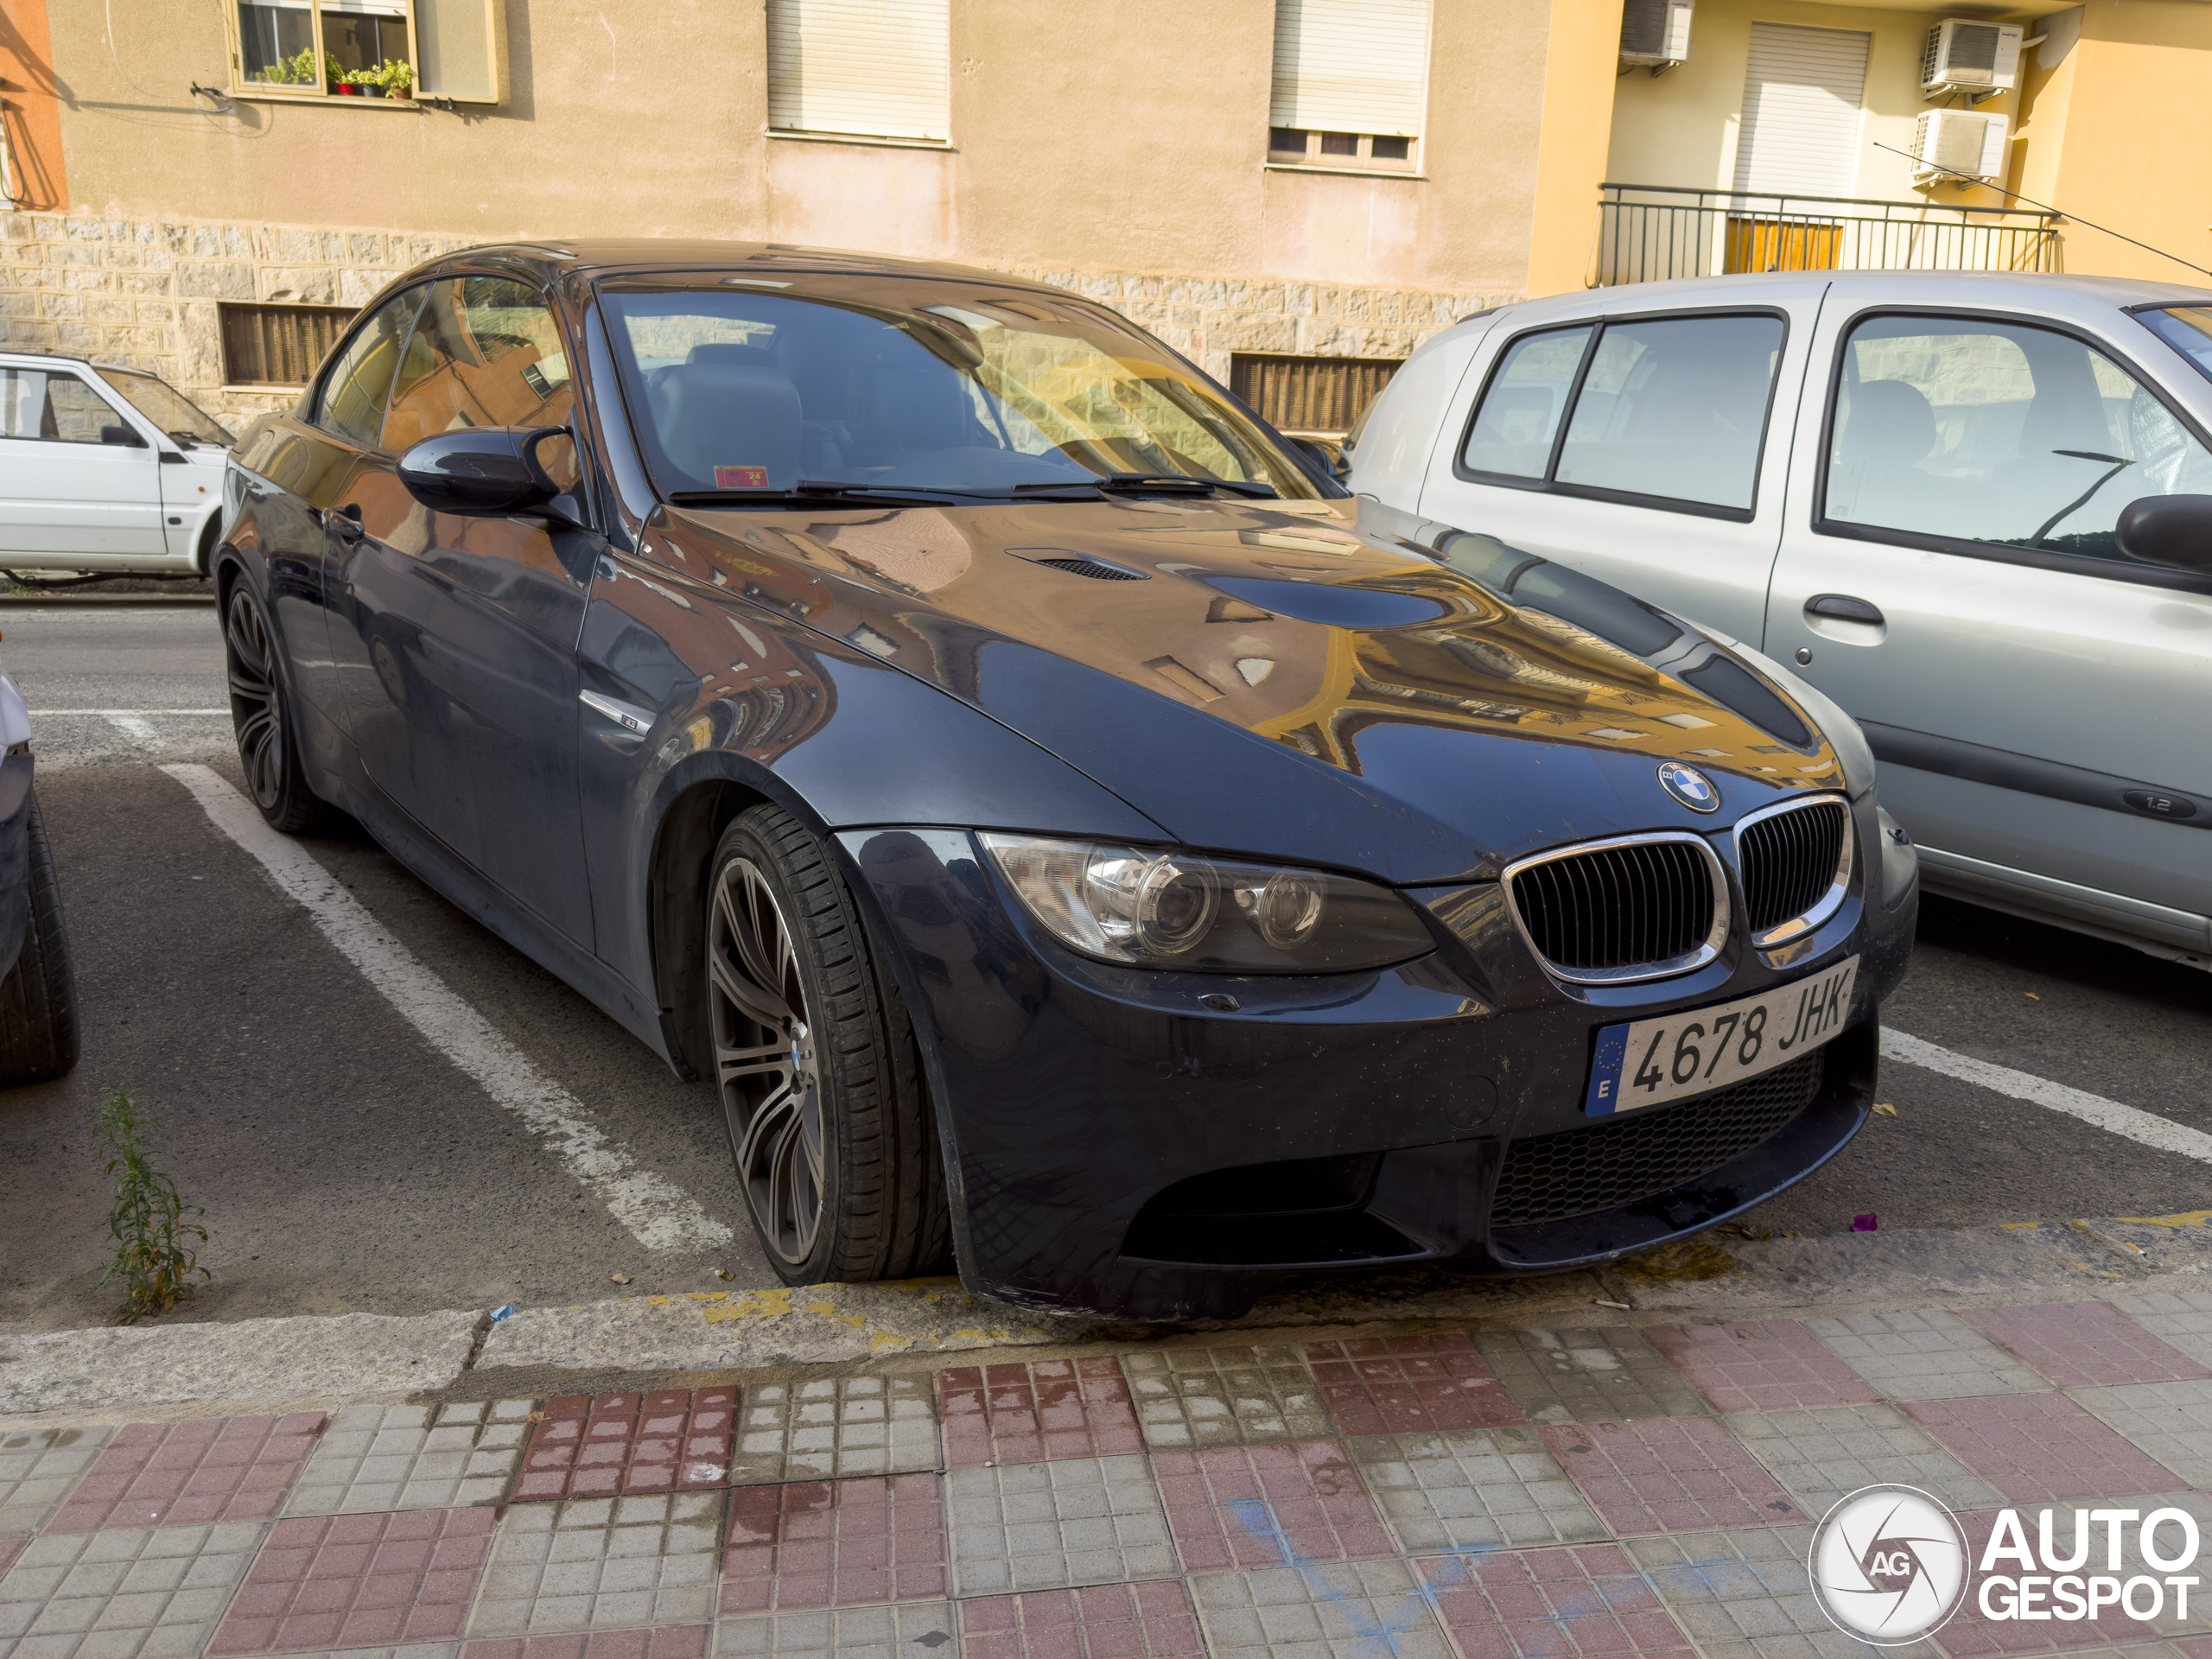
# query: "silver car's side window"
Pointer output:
{"type": "Point", "coordinates": [1521, 406]}
{"type": "Point", "coordinates": [1994, 431]}
{"type": "Point", "coordinates": [1676, 407]}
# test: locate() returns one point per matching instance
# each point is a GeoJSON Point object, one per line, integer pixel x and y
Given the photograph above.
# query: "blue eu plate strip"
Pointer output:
{"type": "Point", "coordinates": [1603, 1098]}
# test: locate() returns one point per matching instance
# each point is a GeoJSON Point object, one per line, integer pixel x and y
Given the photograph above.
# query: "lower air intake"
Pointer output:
{"type": "Point", "coordinates": [1581, 1171]}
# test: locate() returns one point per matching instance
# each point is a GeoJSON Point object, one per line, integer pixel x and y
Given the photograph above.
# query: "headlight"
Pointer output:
{"type": "Point", "coordinates": [1172, 910]}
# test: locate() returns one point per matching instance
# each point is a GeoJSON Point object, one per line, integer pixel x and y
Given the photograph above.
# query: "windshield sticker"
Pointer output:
{"type": "Point", "coordinates": [740, 477]}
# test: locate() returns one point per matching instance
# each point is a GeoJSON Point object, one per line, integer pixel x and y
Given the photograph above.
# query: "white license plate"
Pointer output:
{"type": "Point", "coordinates": [1652, 1061]}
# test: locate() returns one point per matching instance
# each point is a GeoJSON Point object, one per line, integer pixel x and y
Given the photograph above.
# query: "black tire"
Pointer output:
{"type": "Point", "coordinates": [818, 1071]}
{"type": "Point", "coordinates": [261, 718]}
{"type": "Point", "coordinates": [38, 1000]}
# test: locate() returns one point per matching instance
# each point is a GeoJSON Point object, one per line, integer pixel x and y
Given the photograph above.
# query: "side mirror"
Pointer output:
{"type": "Point", "coordinates": [1327, 458]}
{"type": "Point", "coordinates": [486, 472]}
{"type": "Point", "coordinates": [2172, 529]}
{"type": "Point", "coordinates": [115, 432]}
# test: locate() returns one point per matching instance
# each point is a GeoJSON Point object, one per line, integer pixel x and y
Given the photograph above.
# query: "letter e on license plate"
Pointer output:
{"type": "Point", "coordinates": [1696, 1051]}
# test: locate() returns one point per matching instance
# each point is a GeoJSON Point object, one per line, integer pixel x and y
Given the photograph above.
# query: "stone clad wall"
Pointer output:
{"type": "Point", "coordinates": [142, 293]}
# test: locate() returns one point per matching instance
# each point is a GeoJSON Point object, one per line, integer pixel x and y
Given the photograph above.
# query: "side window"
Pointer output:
{"type": "Point", "coordinates": [59, 408]}
{"type": "Point", "coordinates": [1676, 407]}
{"type": "Point", "coordinates": [354, 388]}
{"type": "Point", "coordinates": [484, 352]}
{"type": "Point", "coordinates": [1994, 431]}
{"type": "Point", "coordinates": [1513, 431]}
{"type": "Point", "coordinates": [1673, 409]}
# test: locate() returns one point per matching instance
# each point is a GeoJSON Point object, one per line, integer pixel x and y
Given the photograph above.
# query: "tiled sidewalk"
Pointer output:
{"type": "Point", "coordinates": [1596, 1493]}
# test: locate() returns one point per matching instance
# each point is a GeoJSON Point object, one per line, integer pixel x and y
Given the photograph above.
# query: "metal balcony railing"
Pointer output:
{"type": "Point", "coordinates": [1648, 232]}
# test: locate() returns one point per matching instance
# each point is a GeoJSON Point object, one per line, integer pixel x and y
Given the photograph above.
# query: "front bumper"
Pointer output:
{"type": "Point", "coordinates": [1115, 1145]}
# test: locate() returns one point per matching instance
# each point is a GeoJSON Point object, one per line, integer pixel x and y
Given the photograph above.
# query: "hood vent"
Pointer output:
{"type": "Point", "coordinates": [1079, 564]}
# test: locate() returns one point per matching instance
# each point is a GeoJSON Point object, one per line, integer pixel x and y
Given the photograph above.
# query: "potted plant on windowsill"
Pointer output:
{"type": "Point", "coordinates": [346, 86]}
{"type": "Point", "coordinates": [398, 77]}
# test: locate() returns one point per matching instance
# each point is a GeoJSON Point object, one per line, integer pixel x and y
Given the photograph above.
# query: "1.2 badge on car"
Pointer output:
{"type": "Point", "coordinates": [1694, 1051]}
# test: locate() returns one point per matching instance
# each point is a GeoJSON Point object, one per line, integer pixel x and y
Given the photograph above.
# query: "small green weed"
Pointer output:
{"type": "Point", "coordinates": [152, 1257]}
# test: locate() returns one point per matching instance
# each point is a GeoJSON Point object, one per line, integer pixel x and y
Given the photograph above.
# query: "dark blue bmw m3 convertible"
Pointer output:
{"type": "Point", "coordinates": [1072, 833]}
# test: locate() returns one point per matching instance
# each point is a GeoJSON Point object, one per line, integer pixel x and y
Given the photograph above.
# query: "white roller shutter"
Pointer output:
{"type": "Point", "coordinates": [1801, 103]}
{"type": "Point", "coordinates": [1351, 66]}
{"type": "Point", "coordinates": [875, 68]}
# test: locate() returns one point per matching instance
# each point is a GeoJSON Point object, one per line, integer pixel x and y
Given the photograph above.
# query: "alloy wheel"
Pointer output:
{"type": "Point", "coordinates": [255, 711]}
{"type": "Point", "coordinates": [766, 1060]}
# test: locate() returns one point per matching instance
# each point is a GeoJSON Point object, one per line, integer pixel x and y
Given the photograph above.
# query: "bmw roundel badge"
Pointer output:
{"type": "Point", "coordinates": [1689, 786]}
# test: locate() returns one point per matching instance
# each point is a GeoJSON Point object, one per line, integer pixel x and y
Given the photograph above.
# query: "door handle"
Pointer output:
{"type": "Point", "coordinates": [627, 715]}
{"type": "Point", "coordinates": [1842, 607]}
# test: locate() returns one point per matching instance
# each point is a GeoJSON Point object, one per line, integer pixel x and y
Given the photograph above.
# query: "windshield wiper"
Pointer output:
{"type": "Point", "coordinates": [1150, 483]}
{"type": "Point", "coordinates": [820, 490]}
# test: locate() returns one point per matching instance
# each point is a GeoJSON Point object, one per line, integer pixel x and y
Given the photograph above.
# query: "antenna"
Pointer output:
{"type": "Point", "coordinates": [1937, 166]}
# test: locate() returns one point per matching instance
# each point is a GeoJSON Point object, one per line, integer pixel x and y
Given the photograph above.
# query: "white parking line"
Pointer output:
{"type": "Point", "coordinates": [2137, 1125]}
{"type": "Point", "coordinates": [138, 729]}
{"type": "Point", "coordinates": [659, 1214]}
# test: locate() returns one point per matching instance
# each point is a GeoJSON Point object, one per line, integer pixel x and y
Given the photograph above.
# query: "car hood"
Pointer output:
{"type": "Point", "coordinates": [1291, 680]}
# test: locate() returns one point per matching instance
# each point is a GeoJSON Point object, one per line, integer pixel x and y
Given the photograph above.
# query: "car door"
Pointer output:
{"type": "Point", "coordinates": [459, 634]}
{"type": "Point", "coordinates": [77, 477]}
{"type": "Point", "coordinates": [1950, 576]}
{"type": "Point", "coordinates": [1638, 444]}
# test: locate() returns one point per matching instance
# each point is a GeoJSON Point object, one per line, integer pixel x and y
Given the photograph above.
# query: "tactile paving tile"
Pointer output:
{"type": "Point", "coordinates": [834, 1543]}
{"type": "Point", "coordinates": [1334, 1611]}
{"type": "Point", "coordinates": [1473, 1489]}
{"type": "Point", "coordinates": [609, 1444]}
{"type": "Point", "coordinates": [373, 1458]}
{"type": "Point", "coordinates": [1676, 1475]}
{"type": "Point", "coordinates": [1588, 1603]}
{"type": "Point", "coordinates": [2084, 1344]}
{"type": "Point", "coordinates": [1608, 1374]}
{"type": "Point", "coordinates": [193, 1473]}
{"type": "Point", "coordinates": [115, 1594]}
{"type": "Point", "coordinates": [1048, 1526]}
{"type": "Point", "coordinates": [1255, 1506]}
{"type": "Point", "coordinates": [37, 1468]}
{"type": "Point", "coordinates": [828, 1428]}
{"type": "Point", "coordinates": [1822, 1456]}
{"type": "Point", "coordinates": [1743, 1594]}
{"type": "Point", "coordinates": [2170, 1421]}
{"type": "Point", "coordinates": [1393, 1385]}
{"type": "Point", "coordinates": [1106, 1621]}
{"type": "Point", "coordinates": [668, 1641]}
{"type": "Point", "coordinates": [359, 1581]}
{"type": "Point", "coordinates": [1760, 1365]}
{"type": "Point", "coordinates": [2183, 1317]}
{"type": "Point", "coordinates": [1012, 1412]}
{"type": "Point", "coordinates": [2039, 1446]}
{"type": "Point", "coordinates": [1189, 1397]}
{"type": "Point", "coordinates": [603, 1563]}
{"type": "Point", "coordinates": [904, 1630]}
{"type": "Point", "coordinates": [1924, 1354]}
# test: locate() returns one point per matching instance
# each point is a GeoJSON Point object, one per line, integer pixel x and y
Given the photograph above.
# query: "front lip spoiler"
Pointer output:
{"type": "Point", "coordinates": [1780, 1161]}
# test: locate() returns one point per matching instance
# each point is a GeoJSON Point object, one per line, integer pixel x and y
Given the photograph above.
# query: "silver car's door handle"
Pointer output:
{"type": "Point", "coordinates": [627, 715]}
{"type": "Point", "coordinates": [1842, 607]}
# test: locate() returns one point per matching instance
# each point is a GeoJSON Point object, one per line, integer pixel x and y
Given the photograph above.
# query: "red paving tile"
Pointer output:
{"type": "Point", "coordinates": [2040, 1445]}
{"type": "Point", "coordinates": [1971, 1635]}
{"type": "Point", "coordinates": [1390, 1385]}
{"type": "Point", "coordinates": [358, 1581]}
{"type": "Point", "coordinates": [668, 1641]}
{"type": "Point", "coordinates": [192, 1473]}
{"type": "Point", "coordinates": [615, 1445]}
{"type": "Point", "coordinates": [1670, 1474]}
{"type": "Point", "coordinates": [2195, 1647]}
{"type": "Point", "coordinates": [2084, 1344]}
{"type": "Point", "coordinates": [1031, 1414]}
{"type": "Point", "coordinates": [1268, 1506]}
{"type": "Point", "coordinates": [1111, 1621]}
{"type": "Point", "coordinates": [834, 1543]}
{"type": "Point", "coordinates": [1760, 1365]}
{"type": "Point", "coordinates": [1576, 1603]}
{"type": "Point", "coordinates": [9, 1548]}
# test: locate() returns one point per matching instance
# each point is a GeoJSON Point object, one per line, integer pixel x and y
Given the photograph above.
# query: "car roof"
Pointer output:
{"type": "Point", "coordinates": [45, 356]}
{"type": "Point", "coordinates": [1967, 287]}
{"type": "Point", "coordinates": [602, 256]}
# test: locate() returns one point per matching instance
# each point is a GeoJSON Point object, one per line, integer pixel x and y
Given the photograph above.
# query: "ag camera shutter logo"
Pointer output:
{"type": "Point", "coordinates": [1889, 1565]}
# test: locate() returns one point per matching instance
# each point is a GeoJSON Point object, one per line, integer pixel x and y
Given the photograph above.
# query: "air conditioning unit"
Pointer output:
{"type": "Point", "coordinates": [1656, 32]}
{"type": "Point", "coordinates": [1967, 55]}
{"type": "Point", "coordinates": [1947, 143]}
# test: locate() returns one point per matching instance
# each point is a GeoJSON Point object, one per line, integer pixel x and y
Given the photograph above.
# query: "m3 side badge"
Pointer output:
{"type": "Point", "coordinates": [1689, 786]}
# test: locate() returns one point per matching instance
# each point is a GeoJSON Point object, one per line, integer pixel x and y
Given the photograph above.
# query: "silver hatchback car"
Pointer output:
{"type": "Point", "coordinates": [1974, 510]}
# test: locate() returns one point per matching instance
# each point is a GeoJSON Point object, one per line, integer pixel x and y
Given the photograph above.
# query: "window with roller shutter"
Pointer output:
{"type": "Point", "coordinates": [1351, 84]}
{"type": "Point", "coordinates": [860, 68]}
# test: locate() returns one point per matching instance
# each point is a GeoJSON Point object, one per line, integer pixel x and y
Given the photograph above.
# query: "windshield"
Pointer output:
{"type": "Point", "coordinates": [2188, 329]}
{"type": "Point", "coordinates": [168, 408]}
{"type": "Point", "coordinates": [891, 382]}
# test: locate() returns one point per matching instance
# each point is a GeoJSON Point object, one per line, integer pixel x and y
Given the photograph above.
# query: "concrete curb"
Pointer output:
{"type": "Point", "coordinates": [105, 602]}
{"type": "Point", "coordinates": [174, 1370]}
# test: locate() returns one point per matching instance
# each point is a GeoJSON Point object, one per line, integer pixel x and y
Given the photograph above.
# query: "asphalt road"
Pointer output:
{"type": "Point", "coordinates": [346, 1164]}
